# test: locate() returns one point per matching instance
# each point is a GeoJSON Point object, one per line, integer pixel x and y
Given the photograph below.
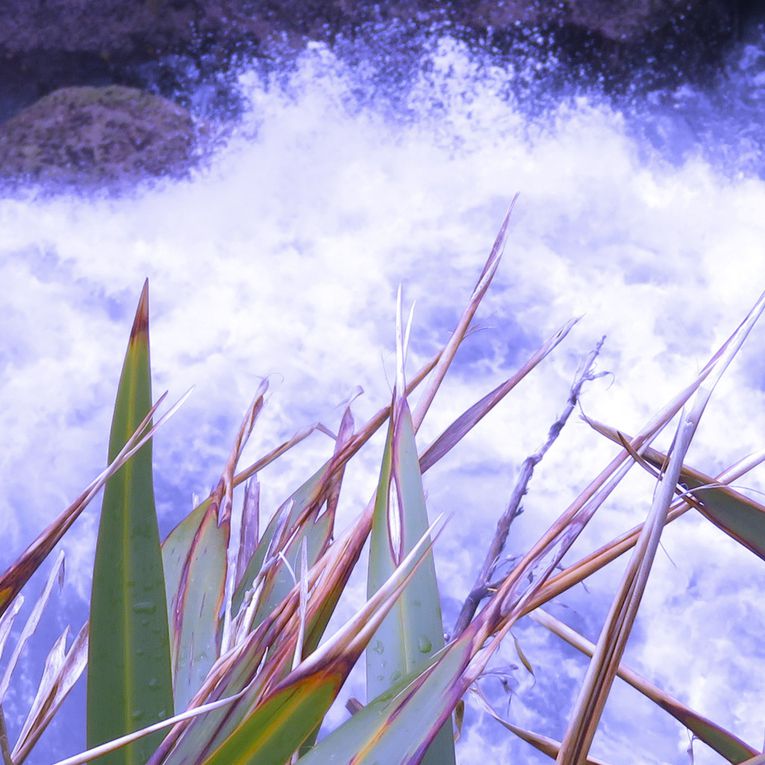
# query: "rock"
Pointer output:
{"type": "Point", "coordinates": [501, 14]}
{"type": "Point", "coordinates": [101, 27]}
{"type": "Point", "coordinates": [625, 21]}
{"type": "Point", "coordinates": [634, 20]}
{"type": "Point", "coordinates": [141, 29]}
{"type": "Point", "coordinates": [97, 136]}
{"type": "Point", "coordinates": [653, 44]}
{"type": "Point", "coordinates": [177, 45]}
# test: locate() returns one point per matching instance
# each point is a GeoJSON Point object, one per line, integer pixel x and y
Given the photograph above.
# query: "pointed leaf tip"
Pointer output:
{"type": "Point", "coordinates": [129, 655]}
{"type": "Point", "coordinates": [140, 328]}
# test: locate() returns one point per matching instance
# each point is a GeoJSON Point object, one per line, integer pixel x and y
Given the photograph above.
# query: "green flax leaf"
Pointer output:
{"type": "Point", "coordinates": [194, 561]}
{"type": "Point", "coordinates": [398, 724]}
{"type": "Point", "coordinates": [300, 500]}
{"type": "Point", "coordinates": [129, 675]}
{"type": "Point", "coordinates": [279, 724]}
{"type": "Point", "coordinates": [740, 517]}
{"type": "Point", "coordinates": [413, 631]}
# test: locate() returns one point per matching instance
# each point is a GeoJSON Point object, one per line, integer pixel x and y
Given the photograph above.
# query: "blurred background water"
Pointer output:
{"type": "Point", "coordinates": [390, 159]}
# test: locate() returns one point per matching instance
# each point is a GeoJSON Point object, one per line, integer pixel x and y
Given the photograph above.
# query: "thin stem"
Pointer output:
{"type": "Point", "coordinates": [481, 588]}
{"type": "Point", "coordinates": [5, 748]}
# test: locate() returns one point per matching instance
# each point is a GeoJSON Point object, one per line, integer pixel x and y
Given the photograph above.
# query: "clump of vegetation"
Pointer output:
{"type": "Point", "coordinates": [209, 648]}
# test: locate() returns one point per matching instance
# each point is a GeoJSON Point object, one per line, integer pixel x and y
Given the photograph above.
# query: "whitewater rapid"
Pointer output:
{"type": "Point", "coordinates": [282, 257]}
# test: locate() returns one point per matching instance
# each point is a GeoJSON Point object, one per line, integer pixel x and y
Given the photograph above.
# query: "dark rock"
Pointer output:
{"type": "Point", "coordinates": [132, 30]}
{"type": "Point", "coordinates": [101, 27]}
{"type": "Point", "coordinates": [97, 136]}
{"type": "Point", "coordinates": [626, 46]}
{"type": "Point", "coordinates": [176, 46]}
{"type": "Point", "coordinates": [636, 20]}
{"type": "Point", "coordinates": [618, 20]}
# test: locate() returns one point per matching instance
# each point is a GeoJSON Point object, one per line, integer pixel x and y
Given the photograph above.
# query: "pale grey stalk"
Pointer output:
{"type": "Point", "coordinates": [481, 586]}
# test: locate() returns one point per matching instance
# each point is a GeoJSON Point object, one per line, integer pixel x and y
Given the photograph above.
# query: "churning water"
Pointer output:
{"type": "Point", "coordinates": [644, 214]}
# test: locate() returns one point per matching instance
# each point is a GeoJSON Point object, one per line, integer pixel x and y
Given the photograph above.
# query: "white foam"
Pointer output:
{"type": "Point", "coordinates": [283, 258]}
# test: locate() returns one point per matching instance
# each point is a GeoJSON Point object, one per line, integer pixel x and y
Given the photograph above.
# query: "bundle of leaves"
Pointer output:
{"type": "Point", "coordinates": [209, 648]}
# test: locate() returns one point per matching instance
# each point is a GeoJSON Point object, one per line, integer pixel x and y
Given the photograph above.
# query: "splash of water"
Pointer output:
{"type": "Point", "coordinates": [282, 258]}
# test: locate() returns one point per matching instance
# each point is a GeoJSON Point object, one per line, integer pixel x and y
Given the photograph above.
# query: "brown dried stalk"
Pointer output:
{"type": "Point", "coordinates": [5, 750]}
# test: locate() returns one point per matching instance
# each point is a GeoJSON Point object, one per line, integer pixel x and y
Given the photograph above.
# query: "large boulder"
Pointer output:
{"type": "Point", "coordinates": [97, 136]}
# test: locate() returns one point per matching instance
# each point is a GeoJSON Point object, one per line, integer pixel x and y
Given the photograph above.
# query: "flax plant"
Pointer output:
{"type": "Point", "coordinates": [210, 648]}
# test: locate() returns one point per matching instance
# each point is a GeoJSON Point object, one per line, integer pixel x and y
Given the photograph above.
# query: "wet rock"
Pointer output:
{"type": "Point", "coordinates": [623, 45]}
{"type": "Point", "coordinates": [180, 46]}
{"type": "Point", "coordinates": [633, 20]}
{"type": "Point", "coordinates": [501, 14]}
{"type": "Point", "coordinates": [97, 136]}
{"type": "Point", "coordinates": [102, 27]}
{"type": "Point", "coordinates": [139, 29]}
{"type": "Point", "coordinates": [625, 21]}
